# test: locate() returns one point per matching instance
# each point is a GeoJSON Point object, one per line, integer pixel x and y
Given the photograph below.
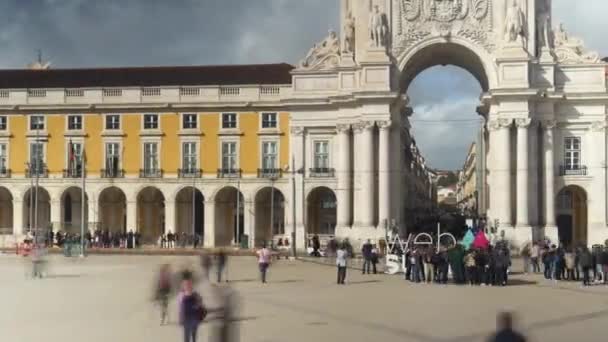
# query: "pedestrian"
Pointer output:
{"type": "Point", "coordinates": [205, 265]}
{"type": "Point", "coordinates": [501, 265]}
{"type": "Point", "coordinates": [163, 290]}
{"type": "Point", "coordinates": [604, 262]}
{"type": "Point", "coordinates": [263, 262]}
{"type": "Point", "coordinates": [569, 259]}
{"type": "Point", "coordinates": [366, 252]}
{"type": "Point", "coordinates": [429, 269]}
{"type": "Point", "coordinates": [192, 311]}
{"type": "Point", "coordinates": [375, 256]}
{"type": "Point", "coordinates": [221, 265]}
{"type": "Point", "coordinates": [586, 260]}
{"type": "Point", "coordinates": [505, 332]}
{"type": "Point", "coordinates": [534, 255]}
{"type": "Point", "coordinates": [415, 264]}
{"type": "Point", "coordinates": [341, 262]}
{"type": "Point", "coordinates": [526, 254]}
{"type": "Point", "coordinates": [469, 263]}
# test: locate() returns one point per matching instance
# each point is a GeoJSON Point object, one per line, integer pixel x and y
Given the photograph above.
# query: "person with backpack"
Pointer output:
{"type": "Point", "coordinates": [192, 310]}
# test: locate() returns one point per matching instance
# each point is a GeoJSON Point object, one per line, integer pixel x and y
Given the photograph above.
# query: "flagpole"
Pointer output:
{"type": "Point", "coordinates": [82, 200]}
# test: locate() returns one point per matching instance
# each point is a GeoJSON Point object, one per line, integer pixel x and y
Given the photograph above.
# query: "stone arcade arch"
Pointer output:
{"type": "Point", "coordinates": [269, 202]}
{"type": "Point", "coordinates": [184, 210]}
{"type": "Point", "coordinates": [150, 214]}
{"type": "Point", "coordinates": [113, 210]}
{"type": "Point", "coordinates": [572, 216]}
{"type": "Point", "coordinates": [229, 229]}
{"type": "Point", "coordinates": [6, 212]}
{"type": "Point", "coordinates": [71, 202]}
{"type": "Point", "coordinates": [43, 206]}
{"type": "Point", "coordinates": [321, 205]}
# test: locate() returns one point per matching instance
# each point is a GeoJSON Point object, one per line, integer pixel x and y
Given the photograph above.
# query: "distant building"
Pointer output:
{"type": "Point", "coordinates": [466, 191]}
{"type": "Point", "coordinates": [447, 195]}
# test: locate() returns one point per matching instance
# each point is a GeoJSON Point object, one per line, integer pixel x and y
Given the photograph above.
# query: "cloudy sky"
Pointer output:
{"type": "Point", "coordinates": [89, 33]}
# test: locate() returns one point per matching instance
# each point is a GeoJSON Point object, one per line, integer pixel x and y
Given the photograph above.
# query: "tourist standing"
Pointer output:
{"type": "Point", "coordinates": [375, 257]}
{"type": "Point", "coordinates": [526, 255]}
{"type": "Point", "coordinates": [192, 311]}
{"type": "Point", "coordinates": [341, 257]}
{"type": "Point", "coordinates": [366, 252]}
{"type": "Point", "coordinates": [505, 332]}
{"type": "Point", "coordinates": [570, 264]}
{"type": "Point", "coordinates": [469, 263]}
{"type": "Point", "coordinates": [163, 290]}
{"type": "Point", "coordinates": [604, 262]}
{"type": "Point", "coordinates": [429, 269]}
{"type": "Point", "coordinates": [534, 255]}
{"type": "Point", "coordinates": [586, 261]}
{"type": "Point", "coordinates": [263, 262]}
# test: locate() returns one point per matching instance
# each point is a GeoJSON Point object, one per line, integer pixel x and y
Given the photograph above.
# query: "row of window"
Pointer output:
{"type": "Point", "coordinates": [151, 157]}
{"type": "Point", "coordinates": [150, 121]}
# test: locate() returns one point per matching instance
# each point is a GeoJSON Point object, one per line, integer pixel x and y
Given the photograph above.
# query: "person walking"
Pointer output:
{"type": "Point", "coordinates": [506, 333]}
{"type": "Point", "coordinates": [163, 290]}
{"type": "Point", "coordinates": [534, 255]}
{"type": "Point", "coordinates": [366, 252]}
{"type": "Point", "coordinates": [586, 261]}
{"type": "Point", "coordinates": [526, 254]}
{"type": "Point", "coordinates": [192, 311]}
{"type": "Point", "coordinates": [264, 256]}
{"type": "Point", "coordinates": [570, 265]}
{"type": "Point", "coordinates": [374, 260]}
{"type": "Point", "coordinates": [221, 265]}
{"type": "Point", "coordinates": [341, 262]}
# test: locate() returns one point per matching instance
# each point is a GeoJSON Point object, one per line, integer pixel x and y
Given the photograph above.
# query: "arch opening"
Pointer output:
{"type": "Point", "coordinates": [229, 217]}
{"type": "Point", "coordinates": [150, 215]}
{"type": "Point", "coordinates": [321, 207]}
{"type": "Point", "coordinates": [190, 212]}
{"type": "Point", "coordinates": [37, 210]}
{"type": "Point", "coordinates": [71, 210]}
{"type": "Point", "coordinates": [571, 216]}
{"type": "Point", "coordinates": [269, 215]}
{"type": "Point", "coordinates": [113, 210]}
{"type": "Point", "coordinates": [6, 212]}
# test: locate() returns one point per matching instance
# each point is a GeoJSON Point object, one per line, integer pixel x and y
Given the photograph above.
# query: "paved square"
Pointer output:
{"type": "Point", "coordinates": [108, 299]}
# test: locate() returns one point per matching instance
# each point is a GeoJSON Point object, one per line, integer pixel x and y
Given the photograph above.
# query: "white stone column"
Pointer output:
{"type": "Point", "coordinates": [549, 195]}
{"type": "Point", "coordinates": [55, 215]}
{"type": "Point", "coordinates": [364, 175]}
{"type": "Point", "coordinates": [297, 164]}
{"type": "Point", "coordinates": [169, 216]}
{"type": "Point", "coordinates": [209, 236]}
{"type": "Point", "coordinates": [249, 222]}
{"type": "Point", "coordinates": [500, 194]}
{"type": "Point", "coordinates": [384, 173]}
{"type": "Point", "coordinates": [17, 217]}
{"type": "Point", "coordinates": [344, 172]}
{"type": "Point", "coordinates": [132, 216]}
{"type": "Point", "coordinates": [533, 162]}
{"type": "Point", "coordinates": [595, 161]}
{"type": "Point", "coordinates": [92, 216]}
{"type": "Point", "coordinates": [523, 214]}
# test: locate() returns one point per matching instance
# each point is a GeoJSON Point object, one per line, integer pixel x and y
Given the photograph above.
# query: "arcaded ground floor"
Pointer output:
{"type": "Point", "coordinates": [102, 299]}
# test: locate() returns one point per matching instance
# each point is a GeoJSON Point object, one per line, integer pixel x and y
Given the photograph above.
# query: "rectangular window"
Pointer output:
{"type": "Point", "coordinates": [321, 150]}
{"type": "Point", "coordinates": [112, 122]}
{"type": "Point", "coordinates": [572, 153]}
{"type": "Point", "coordinates": [74, 122]}
{"type": "Point", "coordinates": [150, 121]}
{"type": "Point", "coordinates": [150, 157]}
{"type": "Point", "coordinates": [269, 155]}
{"type": "Point", "coordinates": [3, 159]}
{"type": "Point", "coordinates": [112, 158]}
{"type": "Point", "coordinates": [229, 120]}
{"type": "Point", "coordinates": [269, 120]}
{"type": "Point", "coordinates": [36, 122]}
{"type": "Point", "coordinates": [190, 121]}
{"type": "Point", "coordinates": [229, 155]}
{"type": "Point", "coordinates": [36, 158]}
{"type": "Point", "coordinates": [189, 157]}
{"type": "Point", "coordinates": [3, 123]}
{"type": "Point", "coordinates": [74, 158]}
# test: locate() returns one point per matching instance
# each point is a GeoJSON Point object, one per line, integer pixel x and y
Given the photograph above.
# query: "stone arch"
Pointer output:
{"type": "Point", "coordinates": [6, 212]}
{"type": "Point", "coordinates": [229, 220]}
{"type": "Point", "coordinates": [572, 217]}
{"type": "Point", "coordinates": [150, 214]}
{"type": "Point", "coordinates": [112, 206]}
{"type": "Point", "coordinates": [321, 211]}
{"type": "Point", "coordinates": [70, 203]}
{"type": "Point", "coordinates": [186, 210]}
{"type": "Point", "coordinates": [269, 214]}
{"type": "Point", "coordinates": [441, 51]}
{"type": "Point", "coordinates": [41, 203]}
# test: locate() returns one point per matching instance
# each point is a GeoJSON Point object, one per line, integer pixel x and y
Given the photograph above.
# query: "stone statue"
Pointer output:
{"type": "Point", "coordinates": [571, 49]}
{"type": "Point", "coordinates": [349, 34]}
{"type": "Point", "coordinates": [515, 27]}
{"type": "Point", "coordinates": [561, 36]}
{"type": "Point", "coordinates": [377, 28]}
{"type": "Point", "coordinates": [543, 24]}
{"type": "Point", "coordinates": [319, 53]}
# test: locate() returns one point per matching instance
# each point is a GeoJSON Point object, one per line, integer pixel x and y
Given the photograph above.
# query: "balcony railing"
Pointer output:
{"type": "Point", "coordinates": [190, 173]}
{"type": "Point", "coordinates": [41, 172]}
{"type": "Point", "coordinates": [322, 172]}
{"type": "Point", "coordinates": [112, 173]}
{"type": "Point", "coordinates": [270, 173]}
{"type": "Point", "coordinates": [150, 173]}
{"type": "Point", "coordinates": [580, 170]}
{"type": "Point", "coordinates": [5, 173]}
{"type": "Point", "coordinates": [72, 173]}
{"type": "Point", "coordinates": [229, 173]}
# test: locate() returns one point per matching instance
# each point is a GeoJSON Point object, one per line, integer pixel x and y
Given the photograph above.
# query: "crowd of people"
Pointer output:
{"type": "Point", "coordinates": [181, 240]}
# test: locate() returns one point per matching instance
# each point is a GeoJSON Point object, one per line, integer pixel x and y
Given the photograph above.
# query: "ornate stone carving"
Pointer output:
{"type": "Point", "coordinates": [543, 24]}
{"type": "Point", "coordinates": [515, 25]}
{"type": "Point", "coordinates": [523, 122]}
{"type": "Point", "coordinates": [571, 50]}
{"type": "Point", "coordinates": [549, 124]}
{"type": "Point", "coordinates": [343, 128]}
{"type": "Point", "coordinates": [362, 126]}
{"type": "Point", "coordinates": [498, 124]}
{"type": "Point", "coordinates": [349, 34]}
{"type": "Point", "coordinates": [420, 19]}
{"type": "Point", "coordinates": [599, 126]}
{"type": "Point", "coordinates": [378, 28]}
{"type": "Point", "coordinates": [386, 124]}
{"type": "Point", "coordinates": [297, 130]}
{"type": "Point", "coordinates": [325, 55]}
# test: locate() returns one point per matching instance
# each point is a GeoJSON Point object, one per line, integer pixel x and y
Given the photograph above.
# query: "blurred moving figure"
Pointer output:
{"type": "Point", "coordinates": [263, 261]}
{"type": "Point", "coordinates": [205, 265]}
{"type": "Point", "coordinates": [225, 330]}
{"type": "Point", "coordinates": [505, 332]}
{"type": "Point", "coordinates": [221, 265]}
{"type": "Point", "coordinates": [37, 254]}
{"type": "Point", "coordinates": [192, 311]}
{"type": "Point", "coordinates": [163, 290]}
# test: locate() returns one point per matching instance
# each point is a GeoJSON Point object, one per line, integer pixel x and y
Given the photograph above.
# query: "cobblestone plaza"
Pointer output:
{"type": "Point", "coordinates": [109, 299]}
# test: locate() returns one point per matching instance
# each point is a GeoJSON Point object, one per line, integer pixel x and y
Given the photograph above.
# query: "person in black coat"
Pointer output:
{"type": "Point", "coordinates": [130, 240]}
{"type": "Point", "coordinates": [505, 332]}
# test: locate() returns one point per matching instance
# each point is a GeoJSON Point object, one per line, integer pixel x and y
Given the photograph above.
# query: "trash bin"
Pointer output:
{"type": "Point", "coordinates": [245, 241]}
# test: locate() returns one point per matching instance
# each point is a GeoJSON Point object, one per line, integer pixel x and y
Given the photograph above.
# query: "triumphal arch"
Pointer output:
{"type": "Point", "coordinates": [543, 99]}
